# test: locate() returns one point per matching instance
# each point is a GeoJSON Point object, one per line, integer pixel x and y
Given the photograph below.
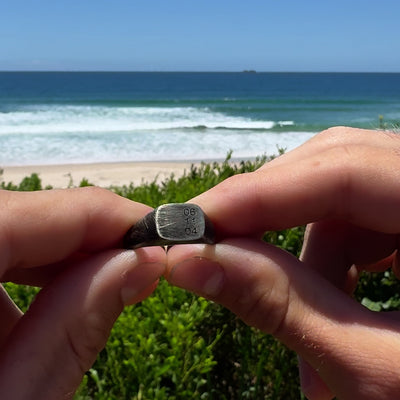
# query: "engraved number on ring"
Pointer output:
{"type": "Point", "coordinates": [191, 220]}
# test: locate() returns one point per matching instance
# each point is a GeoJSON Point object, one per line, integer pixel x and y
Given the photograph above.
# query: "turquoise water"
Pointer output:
{"type": "Point", "coordinates": [52, 117]}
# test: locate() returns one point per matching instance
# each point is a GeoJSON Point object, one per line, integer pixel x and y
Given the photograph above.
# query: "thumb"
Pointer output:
{"type": "Point", "coordinates": [275, 292]}
{"type": "Point", "coordinates": [59, 337]}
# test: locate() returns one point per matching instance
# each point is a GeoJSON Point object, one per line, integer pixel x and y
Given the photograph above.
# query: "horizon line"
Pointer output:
{"type": "Point", "coordinates": [245, 71]}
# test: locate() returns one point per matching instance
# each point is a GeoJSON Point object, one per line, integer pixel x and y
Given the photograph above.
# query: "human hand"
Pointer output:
{"type": "Point", "coordinates": [67, 242]}
{"type": "Point", "coordinates": [344, 183]}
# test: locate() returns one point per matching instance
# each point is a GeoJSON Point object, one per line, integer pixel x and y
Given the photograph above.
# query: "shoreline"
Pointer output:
{"type": "Point", "coordinates": [103, 174]}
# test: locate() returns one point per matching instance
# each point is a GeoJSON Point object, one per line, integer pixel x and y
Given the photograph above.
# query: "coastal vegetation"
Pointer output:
{"type": "Point", "coordinates": [175, 345]}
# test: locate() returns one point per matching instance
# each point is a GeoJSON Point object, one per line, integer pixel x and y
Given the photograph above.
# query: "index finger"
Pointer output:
{"type": "Point", "coordinates": [353, 179]}
{"type": "Point", "coordinates": [39, 228]}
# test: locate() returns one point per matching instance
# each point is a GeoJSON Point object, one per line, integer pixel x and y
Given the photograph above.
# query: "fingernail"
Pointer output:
{"type": "Point", "coordinates": [199, 275]}
{"type": "Point", "coordinates": [139, 279]}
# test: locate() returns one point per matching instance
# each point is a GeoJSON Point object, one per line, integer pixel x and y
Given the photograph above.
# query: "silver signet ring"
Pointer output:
{"type": "Point", "coordinates": [169, 224]}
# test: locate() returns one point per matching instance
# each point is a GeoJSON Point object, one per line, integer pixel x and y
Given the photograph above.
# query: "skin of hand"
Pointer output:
{"type": "Point", "coordinates": [68, 242]}
{"type": "Point", "coordinates": [345, 185]}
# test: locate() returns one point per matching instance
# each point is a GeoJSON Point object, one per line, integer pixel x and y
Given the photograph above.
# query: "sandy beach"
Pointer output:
{"type": "Point", "coordinates": [99, 174]}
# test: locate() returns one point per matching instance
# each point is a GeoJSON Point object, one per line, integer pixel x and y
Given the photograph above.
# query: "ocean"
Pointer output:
{"type": "Point", "coordinates": [84, 117]}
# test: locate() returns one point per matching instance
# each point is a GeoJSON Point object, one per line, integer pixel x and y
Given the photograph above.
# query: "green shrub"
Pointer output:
{"type": "Point", "coordinates": [28, 184]}
{"type": "Point", "coordinates": [175, 345]}
{"type": "Point", "coordinates": [197, 180]}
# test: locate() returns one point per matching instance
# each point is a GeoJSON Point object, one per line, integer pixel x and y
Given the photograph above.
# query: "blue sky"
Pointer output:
{"type": "Point", "coordinates": [202, 35]}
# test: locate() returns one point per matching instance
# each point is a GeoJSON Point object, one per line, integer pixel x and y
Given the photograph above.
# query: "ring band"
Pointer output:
{"type": "Point", "coordinates": [169, 224]}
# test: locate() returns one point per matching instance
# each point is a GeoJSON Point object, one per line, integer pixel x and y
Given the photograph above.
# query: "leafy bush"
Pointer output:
{"type": "Point", "coordinates": [193, 182]}
{"type": "Point", "coordinates": [28, 184]}
{"type": "Point", "coordinates": [175, 345]}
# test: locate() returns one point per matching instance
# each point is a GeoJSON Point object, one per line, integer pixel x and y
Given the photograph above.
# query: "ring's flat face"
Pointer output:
{"type": "Point", "coordinates": [169, 224]}
{"type": "Point", "coordinates": [180, 223]}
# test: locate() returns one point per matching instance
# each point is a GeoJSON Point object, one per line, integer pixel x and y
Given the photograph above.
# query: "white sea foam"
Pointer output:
{"type": "Point", "coordinates": [78, 119]}
{"type": "Point", "coordinates": [143, 147]}
{"type": "Point", "coordinates": [71, 134]}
